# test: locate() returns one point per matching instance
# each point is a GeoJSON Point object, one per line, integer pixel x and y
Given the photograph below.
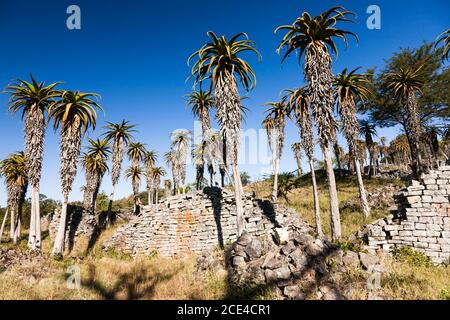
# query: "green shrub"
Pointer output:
{"type": "Point", "coordinates": [444, 294]}
{"type": "Point", "coordinates": [411, 256]}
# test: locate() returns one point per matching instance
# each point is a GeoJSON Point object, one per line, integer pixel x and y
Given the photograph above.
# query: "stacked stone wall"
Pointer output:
{"type": "Point", "coordinates": [422, 220]}
{"type": "Point", "coordinates": [197, 222]}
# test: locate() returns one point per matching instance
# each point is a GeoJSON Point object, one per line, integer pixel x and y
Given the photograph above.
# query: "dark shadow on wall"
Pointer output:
{"type": "Point", "coordinates": [268, 209]}
{"type": "Point", "coordinates": [216, 197]}
{"type": "Point", "coordinates": [75, 214]}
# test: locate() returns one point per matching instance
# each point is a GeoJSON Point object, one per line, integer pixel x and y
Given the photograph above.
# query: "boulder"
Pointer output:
{"type": "Point", "coordinates": [368, 261]}
{"type": "Point", "coordinates": [281, 236]}
{"type": "Point", "coordinates": [294, 292]}
{"type": "Point", "coordinates": [254, 249]}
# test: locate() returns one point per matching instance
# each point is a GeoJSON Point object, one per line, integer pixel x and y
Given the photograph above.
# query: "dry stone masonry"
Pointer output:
{"type": "Point", "coordinates": [295, 265]}
{"type": "Point", "coordinates": [196, 222]}
{"type": "Point", "coordinates": [422, 220]}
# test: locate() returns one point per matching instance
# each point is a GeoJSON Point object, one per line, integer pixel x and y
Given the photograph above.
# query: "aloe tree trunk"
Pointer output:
{"type": "Point", "coordinates": [70, 147]}
{"type": "Point", "coordinates": [319, 78]}
{"type": "Point", "coordinates": [350, 126]}
{"type": "Point", "coordinates": [229, 116]}
{"type": "Point", "coordinates": [275, 180]}
{"type": "Point", "coordinates": [58, 246]}
{"type": "Point", "coordinates": [316, 200]}
{"type": "Point", "coordinates": [34, 151]}
{"type": "Point", "coordinates": [12, 224]}
{"type": "Point", "coordinates": [18, 224]}
{"type": "Point", "coordinates": [415, 132]}
{"type": "Point", "coordinates": [150, 197]}
{"type": "Point", "coordinates": [111, 199]}
{"type": "Point", "coordinates": [238, 198]}
{"type": "Point", "coordinates": [3, 224]}
{"type": "Point", "coordinates": [334, 202]}
{"type": "Point", "coordinates": [362, 192]}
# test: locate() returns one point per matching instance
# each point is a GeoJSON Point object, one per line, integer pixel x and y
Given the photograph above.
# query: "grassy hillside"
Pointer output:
{"type": "Point", "coordinates": [300, 198]}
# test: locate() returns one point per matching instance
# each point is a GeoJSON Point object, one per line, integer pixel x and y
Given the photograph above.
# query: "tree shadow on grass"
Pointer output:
{"type": "Point", "coordinates": [134, 284]}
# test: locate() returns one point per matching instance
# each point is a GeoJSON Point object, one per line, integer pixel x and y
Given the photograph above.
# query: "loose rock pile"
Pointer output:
{"type": "Point", "coordinates": [10, 257]}
{"type": "Point", "coordinates": [422, 220]}
{"type": "Point", "coordinates": [294, 264]}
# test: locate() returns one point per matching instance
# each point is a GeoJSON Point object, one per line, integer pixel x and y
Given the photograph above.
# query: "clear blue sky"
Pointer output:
{"type": "Point", "coordinates": [134, 54]}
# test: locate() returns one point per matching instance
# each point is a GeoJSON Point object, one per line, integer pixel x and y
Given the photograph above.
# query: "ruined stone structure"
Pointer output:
{"type": "Point", "coordinates": [295, 265]}
{"type": "Point", "coordinates": [422, 220]}
{"type": "Point", "coordinates": [196, 222]}
{"type": "Point", "coordinates": [78, 223]}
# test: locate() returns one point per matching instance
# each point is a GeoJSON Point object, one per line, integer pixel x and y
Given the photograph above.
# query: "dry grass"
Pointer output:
{"type": "Point", "coordinates": [404, 281]}
{"type": "Point", "coordinates": [110, 275]}
{"type": "Point", "coordinates": [301, 200]}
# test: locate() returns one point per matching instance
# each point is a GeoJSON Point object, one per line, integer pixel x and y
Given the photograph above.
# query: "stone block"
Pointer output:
{"type": "Point", "coordinates": [440, 199]}
{"type": "Point", "coordinates": [422, 245]}
{"type": "Point", "coordinates": [420, 226]}
{"type": "Point", "coordinates": [419, 233]}
{"type": "Point", "coordinates": [413, 199]}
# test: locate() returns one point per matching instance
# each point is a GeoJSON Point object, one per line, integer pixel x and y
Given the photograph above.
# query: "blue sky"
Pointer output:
{"type": "Point", "coordinates": [134, 54]}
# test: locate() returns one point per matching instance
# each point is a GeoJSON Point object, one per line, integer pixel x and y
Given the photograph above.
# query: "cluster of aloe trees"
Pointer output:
{"type": "Point", "coordinates": [219, 65]}
{"type": "Point", "coordinates": [14, 171]}
{"type": "Point", "coordinates": [72, 113]}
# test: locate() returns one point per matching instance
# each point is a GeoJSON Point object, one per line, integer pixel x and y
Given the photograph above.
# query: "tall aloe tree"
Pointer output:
{"type": "Point", "coordinates": [215, 157]}
{"type": "Point", "coordinates": [275, 126]}
{"type": "Point", "coordinates": [444, 38]}
{"type": "Point", "coordinates": [73, 114]}
{"type": "Point", "coordinates": [201, 103]}
{"type": "Point", "coordinates": [299, 103]}
{"type": "Point", "coordinates": [314, 38]}
{"type": "Point", "coordinates": [296, 148]}
{"type": "Point", "coordinates": [368, 131]}
{"type": "Point", "coordinates": [157, 173]}
{"type": "Point", "coordinates": [135, 174]}
{"type": "Point", "coordinates": [219, 61]}
{"type": "Point", "coordinates": [180, 142]}
{"type": "Point", "coordinates": [405, 84]}
{"type": "Point", "coordinates": [400, 150]}
{"type": "Point", "coordinates": [171, 158]}
{"type": "Point", "coordinates": [119, 135]}
{"type": "Point", "coordinates": [88, 188]}
{"type": "Point", "coordinates": [198, 158]}
{"type": "Point", "coordinates": [14, 170]}
{"type": "Point", "coordinates": [383, 150]}
{"type": "Point", "coordinates": [351, 88]}
{"type": "Point", "coordinates": [95, 165]}
{"type": "Point", "coordinates": [149, 161]}
{"type": "Point", "coordinates": [167, 187]}
{"type": "Point", "coordinates": [33, 99]}
{"type": "Point", "coordinates": [136, 154]}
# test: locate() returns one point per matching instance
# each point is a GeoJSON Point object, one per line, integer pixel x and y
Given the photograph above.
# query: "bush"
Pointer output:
{"type": "Point", "coordinates": [444, 294]}
{"type": "Point", "coordinates": [411, 256]}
